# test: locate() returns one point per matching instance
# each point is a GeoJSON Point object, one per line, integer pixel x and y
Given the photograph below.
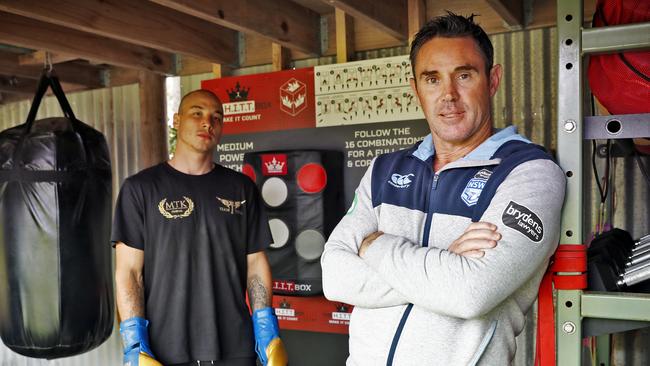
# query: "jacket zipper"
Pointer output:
{"type": "Point", "coordinates": [425, 242]}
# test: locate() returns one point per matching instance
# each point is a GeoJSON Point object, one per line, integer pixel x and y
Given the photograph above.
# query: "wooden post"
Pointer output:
{"type": "Point", "coordinates": [153, 128]}
{"type": "Point", "coordinates": [417, 11]}
{"type": "Point", "coordinates": [221, 70]}
{"type": "Point", "coordinates": [344, 36]}
{"type": "Point", "coordinates": [216, 70]}
{"type": "Point", "coordinates": [281, 57]}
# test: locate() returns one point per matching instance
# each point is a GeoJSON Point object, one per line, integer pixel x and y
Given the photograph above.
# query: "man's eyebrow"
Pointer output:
{"type": "Point", "coordinates": [195, 106]}
{"type": "Point", "coordinates": [429, 73]}
{"type": "Point", "coordinates": [466, 68]}
{"type": "Point", "coordinates": [459, 68]}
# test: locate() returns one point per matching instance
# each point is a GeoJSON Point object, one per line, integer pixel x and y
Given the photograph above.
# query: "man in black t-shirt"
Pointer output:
{"type": "Point", "coordinates": [190, 238]}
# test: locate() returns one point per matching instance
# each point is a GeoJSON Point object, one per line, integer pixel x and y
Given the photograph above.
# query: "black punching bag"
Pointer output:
{"type": "Point", "coordinates": [56, 293]}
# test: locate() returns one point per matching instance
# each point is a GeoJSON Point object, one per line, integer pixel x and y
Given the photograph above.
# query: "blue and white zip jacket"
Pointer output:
{"type": "Point", "coordinates": [418, 304]}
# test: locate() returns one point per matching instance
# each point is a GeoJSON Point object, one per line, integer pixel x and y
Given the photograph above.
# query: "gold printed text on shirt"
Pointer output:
{"type": "Point", "coordinates": [229, 205]}
{"type": "Point", "coordinates": [176, 209]}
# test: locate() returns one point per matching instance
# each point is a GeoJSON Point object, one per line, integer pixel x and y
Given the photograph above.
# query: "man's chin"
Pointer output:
{"type": "Point", "coordinates": [452, 133]}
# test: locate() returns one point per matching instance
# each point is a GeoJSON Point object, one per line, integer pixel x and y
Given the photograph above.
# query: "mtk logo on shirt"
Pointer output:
{"type": "Point", "coordinates": [176, 209]}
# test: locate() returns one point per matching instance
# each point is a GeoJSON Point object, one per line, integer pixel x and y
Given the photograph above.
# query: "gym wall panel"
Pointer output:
{"type": "Point", "coordinates": [116, 113]}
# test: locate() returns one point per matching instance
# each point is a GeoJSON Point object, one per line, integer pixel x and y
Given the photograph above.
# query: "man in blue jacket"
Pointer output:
{"type": "Point", "coordinates": [443, 266]}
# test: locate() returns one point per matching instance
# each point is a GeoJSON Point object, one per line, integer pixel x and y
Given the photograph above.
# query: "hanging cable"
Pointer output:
{"type": "Point", "coordinates": [595, 169]}
{"type": "Point", "coordinates": [607, 177]}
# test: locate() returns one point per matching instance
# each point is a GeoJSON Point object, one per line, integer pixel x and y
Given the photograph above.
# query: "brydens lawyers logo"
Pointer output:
{"type": "Point", "coordinates": [274, 164]}
{"type": "Point", "coordinates": [525, 221]}
{"type": "Point", "coordinates": [238, 101]}
{"type": "Point", "coordinates": [400, 181]}
{"type": "Point", "coordinates": [176, 209]}
{"type": "Point", "coordinates": [230, 206]}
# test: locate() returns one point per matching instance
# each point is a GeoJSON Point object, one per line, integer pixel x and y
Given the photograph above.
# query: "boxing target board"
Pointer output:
{"type": "Point", "coordinates": [302, 191]}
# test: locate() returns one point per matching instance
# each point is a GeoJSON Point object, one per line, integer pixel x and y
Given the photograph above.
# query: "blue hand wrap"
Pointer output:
{"type": "Point", "coordinates": [135, 339]}
{"type": "Point", "coordinates": [266, 328]}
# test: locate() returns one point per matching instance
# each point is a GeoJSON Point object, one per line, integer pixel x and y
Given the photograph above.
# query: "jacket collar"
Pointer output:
{"type": "Point", "coordinates": [482, 152]}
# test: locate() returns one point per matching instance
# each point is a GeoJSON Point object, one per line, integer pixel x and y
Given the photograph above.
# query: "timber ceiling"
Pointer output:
{"type": "Point", "coordinates": [99, 43]}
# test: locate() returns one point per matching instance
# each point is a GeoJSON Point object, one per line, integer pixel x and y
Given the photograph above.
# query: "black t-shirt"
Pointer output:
{"type": "Point", "coordinates": [196, 231]}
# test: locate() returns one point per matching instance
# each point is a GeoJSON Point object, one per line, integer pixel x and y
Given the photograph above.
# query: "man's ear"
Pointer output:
{"type": "Point", "coordinates": [495, 78]}
{"type": "Point", "coordinates": [177, 120]}
{"type": "Point", "coordinates": [414, 87]}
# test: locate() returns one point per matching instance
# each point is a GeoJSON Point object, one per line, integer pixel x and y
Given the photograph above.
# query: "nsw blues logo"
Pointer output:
{"type": "Point", "coordinates": [474, 187]}
{"type": "Point", "coordinates": [400, 181]}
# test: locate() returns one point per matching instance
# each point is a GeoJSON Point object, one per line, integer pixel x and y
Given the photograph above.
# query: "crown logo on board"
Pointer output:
{"type": "Point", "coordinates": [274, 166]}
{"type": "Point", "coordinates": [238, 94]}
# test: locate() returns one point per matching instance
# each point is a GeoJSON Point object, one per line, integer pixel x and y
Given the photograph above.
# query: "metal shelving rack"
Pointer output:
{"type": "Point", "coordinates": [575, 306]}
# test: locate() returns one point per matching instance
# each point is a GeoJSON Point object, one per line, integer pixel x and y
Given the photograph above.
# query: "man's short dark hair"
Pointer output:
{"type": "Point", "coordinates": [453, 26]}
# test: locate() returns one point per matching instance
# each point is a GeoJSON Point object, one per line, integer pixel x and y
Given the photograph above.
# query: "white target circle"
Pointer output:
{"type": "Point", "coordinates": [279, 232]}
{"type": "Point", "coordinates": [310, 244]}
{"type": "Point", "coordinates": [274, 192]}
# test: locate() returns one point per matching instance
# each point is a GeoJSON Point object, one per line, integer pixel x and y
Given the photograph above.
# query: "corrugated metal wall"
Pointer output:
{"type": "Point", "coordinates": [116, 113]}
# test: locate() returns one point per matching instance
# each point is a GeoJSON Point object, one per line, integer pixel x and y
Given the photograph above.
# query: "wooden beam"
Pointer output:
{"type": "Point", "coordinates": [282, 21]}
{"type": "Point", "coordinates": [27, 87]}
{"type": "Point", "coordinates": [119, 76]}
{"type": "Point", "coordinates": [511, 11]}
{"type": "Point", "coordinates": [80, 74]}
{"type": "Point", "coordinates": [389, 16]}
{"type": "Point", "coordinates": [153, 127]}
{"type": "Point", "coordinates": [138, 22]}
{"type": "Point", "coordinates": [417, 11]}
{"type": "Point", "coordinates": [40, 58]}
{"type": "Point", "coordinates": [281, 57]}
{"type": "Point", "coordinates": [191, 65]}
{"type": "Point", "coordinates": [16, 85]}
{"type": "Point", "coordinates": [344, 36]}
{"type": "Point", "coordinates": [30, 33]}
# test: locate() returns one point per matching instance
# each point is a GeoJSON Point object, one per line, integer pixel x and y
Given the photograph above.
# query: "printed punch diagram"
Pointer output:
{"type": "Point", "coordinates": [364, 92]}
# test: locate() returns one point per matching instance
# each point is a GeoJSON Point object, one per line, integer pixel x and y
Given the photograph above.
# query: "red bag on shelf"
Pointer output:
{"type": "Point", "coordinates": [621, 81]}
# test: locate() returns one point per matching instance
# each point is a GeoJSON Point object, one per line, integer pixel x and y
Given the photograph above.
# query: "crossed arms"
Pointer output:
{"type": "Point", "coordinates": [467, 279]}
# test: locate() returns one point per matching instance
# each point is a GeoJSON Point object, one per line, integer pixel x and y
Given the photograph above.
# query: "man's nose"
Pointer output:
{"type": "Point", "coordinates": [449, 92]}
{"type": "Point", "coordinates": [206, 122]}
